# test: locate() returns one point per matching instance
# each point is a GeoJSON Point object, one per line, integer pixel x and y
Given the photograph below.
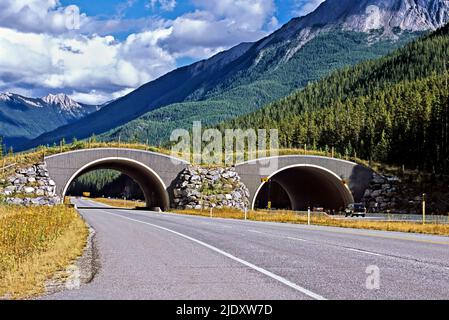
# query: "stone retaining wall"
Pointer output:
{"type": "Point", "coordinates": [202, 188]}
{"type": "Point", "coordinates": [390, 194]}
{"type": "Point", "coordinates": [30, 186]}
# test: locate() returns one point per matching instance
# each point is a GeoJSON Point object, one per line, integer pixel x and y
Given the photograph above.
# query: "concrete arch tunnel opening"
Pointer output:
{"type": "Point", "coordinates": [151, 185]}
{"type": "Point", "coordinates": [106, 183]}
{"type": "Point", "coordinates": [299, 187]}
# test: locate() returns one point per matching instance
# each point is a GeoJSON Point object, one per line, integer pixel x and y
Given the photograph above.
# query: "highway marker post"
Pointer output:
{"type": "Point", "coordinates": [308, 216]}
{"type": "Point", "coordinates": [246, 213]}
{"type": "Point", "coordinates": [424, 208]}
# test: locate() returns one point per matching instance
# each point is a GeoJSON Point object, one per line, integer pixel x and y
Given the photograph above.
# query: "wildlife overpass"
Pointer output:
{"type": "Point", "coordinates": [293, 182]}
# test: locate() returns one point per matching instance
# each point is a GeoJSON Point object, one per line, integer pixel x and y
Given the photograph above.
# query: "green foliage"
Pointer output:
{"type": "Point", "coordinates": [393, 109]}
{"type": "Point", "coordinates": [97, 180]}
{"type": "Point", "coordinates": [264, 77]}
{"type": "Point", "coordinates": [105, 182]}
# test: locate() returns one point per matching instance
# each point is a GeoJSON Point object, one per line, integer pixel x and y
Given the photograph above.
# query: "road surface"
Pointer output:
{"type": "Point", "coordinates": [148, 255]}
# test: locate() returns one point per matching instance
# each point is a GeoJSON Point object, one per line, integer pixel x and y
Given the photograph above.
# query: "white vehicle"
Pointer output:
{"type": "Point", "coordinates": [355, 210]}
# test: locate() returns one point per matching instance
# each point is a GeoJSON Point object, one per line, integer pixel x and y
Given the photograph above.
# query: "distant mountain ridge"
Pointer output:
{"type": "Point", "coordinates": [23, 118]}
{"type": "Point", "coordinates": [366, 15]}
{"type": "Point", "coordinates": [393, 109]}
{"type": "Point", "coordinates": [250, 75]}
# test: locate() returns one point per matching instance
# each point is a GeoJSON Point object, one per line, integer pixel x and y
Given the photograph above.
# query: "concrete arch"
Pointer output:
{"type": "Point", "coordinates": [354, 177]}
{"type": "Point", "coordinates": [334, 189]}
{"type": "Point", "coordinates": [154, 189]}
{"type": "Point", "coordinates": [155, 173]}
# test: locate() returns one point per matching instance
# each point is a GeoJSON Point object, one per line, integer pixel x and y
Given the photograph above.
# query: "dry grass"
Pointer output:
{"type": "Point", "coordinates": [323, 220]}
{"type": "Point", "coordinates": [35, 243]}
{"type": "Point", "coordinates": [121, 203]}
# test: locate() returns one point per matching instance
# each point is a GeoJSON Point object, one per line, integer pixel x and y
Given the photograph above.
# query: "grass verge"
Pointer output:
{"type": "Point", "coordinates": [323, 220]}
{"type": "Point", "coordinates": [36, 243]}
{"type": "Point", "coordinates": [128, 204]}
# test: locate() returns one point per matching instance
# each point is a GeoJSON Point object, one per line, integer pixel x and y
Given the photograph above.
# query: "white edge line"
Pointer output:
{"type": "Point", "coordinates": [230, 256]}
{"type": "Point", "coordinates": [296, 239]}
{"type": "Point", "coordinates": [365, 252]}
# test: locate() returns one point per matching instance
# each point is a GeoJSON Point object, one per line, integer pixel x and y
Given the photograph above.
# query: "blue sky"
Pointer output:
{"type": "Point", "coordinates": [285, 9]}
{"type": "Point", "coordinates": [100, 50]}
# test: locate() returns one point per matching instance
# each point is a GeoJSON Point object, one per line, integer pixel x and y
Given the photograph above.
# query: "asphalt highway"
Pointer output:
{"type": "Point", "coordinates": [146, 255]}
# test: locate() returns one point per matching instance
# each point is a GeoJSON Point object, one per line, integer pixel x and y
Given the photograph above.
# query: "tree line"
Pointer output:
{"type": "Point", "coordinates": [393, 109]}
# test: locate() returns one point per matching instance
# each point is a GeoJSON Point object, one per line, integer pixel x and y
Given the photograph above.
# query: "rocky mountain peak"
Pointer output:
{"type": "Point", "coordinates": [62, 100]}
{"type": "Point", "coordinates": [5, 96]}
{"type": "Point", "coordinates": [366, 15]}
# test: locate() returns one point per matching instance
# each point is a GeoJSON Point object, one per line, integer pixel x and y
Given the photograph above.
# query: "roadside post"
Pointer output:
{"type": "Point", "coordinates": [424, 208]}
{"type": "Point", "coordinates": [246, 213]}
{"type": "Point", "coordinates": [211, 213]}
{"type": "Point", "coordinates": [308, 216]}
{"type": "Point", "coordinates": [267, 180]}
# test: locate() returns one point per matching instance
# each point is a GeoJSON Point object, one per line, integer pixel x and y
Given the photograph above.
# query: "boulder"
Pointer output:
{"type": "Point", "coordinates": [224, 182]}
{"type": "Point", "coordinates": [367, 193]}
{"type": "Point", "coordinates": [28, 190]}
{"type": "Point", "coordinates": [378, 180]}
{"type": "Point", "coordinates": [376, 193]}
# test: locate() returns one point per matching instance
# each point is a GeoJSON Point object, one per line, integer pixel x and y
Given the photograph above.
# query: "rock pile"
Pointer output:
{"type": "Point", "coordinates": [202, 188]}
{"type": "Point", "coordinates": [383, 193]}
{"type": "Point", "coordinates": [30, 186]}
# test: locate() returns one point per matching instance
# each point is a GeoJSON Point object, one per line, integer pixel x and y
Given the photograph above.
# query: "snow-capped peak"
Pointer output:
{"type": "Point", "coordinates": [5, 96]}
{"type": "Point", "coordinates": [61, 100]}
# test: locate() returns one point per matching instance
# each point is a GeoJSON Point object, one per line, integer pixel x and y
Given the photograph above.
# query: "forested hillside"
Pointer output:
{"type": "Point", "coordinates": [109, 183]}
{"type": "Point", "coordinates": [270, 78]}
{"type": "Point", "coordinates": [394, 109]}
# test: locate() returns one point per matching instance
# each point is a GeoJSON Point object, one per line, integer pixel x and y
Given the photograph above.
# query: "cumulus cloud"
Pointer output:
{"type": "Point", "coordinates": [39, 52]}
{"type": "Point", "coordinates": [46, 16]}
{"type": "Point", "coordinates": [80, 64]}
{"type": "Point", "coordinates": [218, 25]}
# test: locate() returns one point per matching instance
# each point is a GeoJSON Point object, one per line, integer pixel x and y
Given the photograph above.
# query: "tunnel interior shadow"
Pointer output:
{"type": "Point", "coordinates": [301, 187]}
{"type": "Point", "coordinates": [151, 185]}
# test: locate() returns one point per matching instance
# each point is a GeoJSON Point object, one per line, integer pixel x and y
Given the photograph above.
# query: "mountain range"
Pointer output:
{"type": "Point", "coordinates": [23, 118]}
{"type": "Point", "coordinates": [393, 110]}
{"type": "Point", "coordinates": [243, 79]}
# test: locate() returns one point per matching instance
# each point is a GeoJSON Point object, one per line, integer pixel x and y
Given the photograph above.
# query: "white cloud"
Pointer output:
{"type": "Point", "coordinates": [251, 15]}
{"type": "Point", "coordinates": [81, 64]}
{"type": "Point", "coordinates": [218, 25]}
{"type": "Point", "coordinates": [95, 97]}
{"type": "Point", "coordinates": [304, 7]}
{"type": "Point", "coordinates": [38, 53]}
{"type": "Point", "coordinates": [166, 5]}
{"type": "Point", "coordinates": [39, 16]}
